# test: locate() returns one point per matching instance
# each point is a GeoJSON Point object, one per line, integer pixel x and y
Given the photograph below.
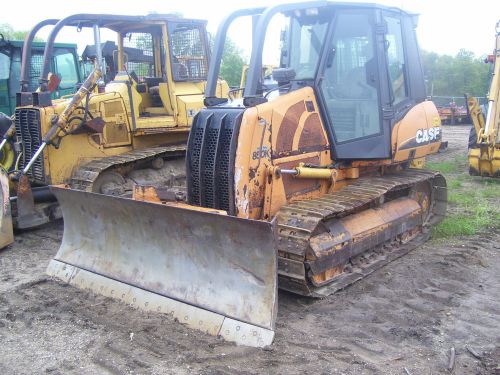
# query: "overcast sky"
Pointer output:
{"type": "Point", "coordinates": [444, 27]}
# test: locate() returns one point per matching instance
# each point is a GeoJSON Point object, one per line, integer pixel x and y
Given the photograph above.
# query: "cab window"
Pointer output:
{"type": "Point", "coordinates": [396, 59]}
{"type": "Point", "coordinates": [349, 86]}
{"type": "Point", "coordinates": [139, 54]}
{"type": "Point", "coordinates": [4, 66]}
{"type": "Point", "coordinates": [305, 45]}
{"type": "Point", "coordinates": [66, 69]}
{"type": "Point", "coordinates": [188, 52]}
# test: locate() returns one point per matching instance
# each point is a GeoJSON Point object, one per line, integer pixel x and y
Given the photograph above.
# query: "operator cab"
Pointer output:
{"type": "Point", "coordinates": [158, 57]}
{"type": "Point", "coordinates": [362, 61]}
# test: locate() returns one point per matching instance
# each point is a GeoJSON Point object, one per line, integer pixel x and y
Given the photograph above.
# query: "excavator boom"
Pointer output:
{"type": "Point", "coordinates": [484, 151]}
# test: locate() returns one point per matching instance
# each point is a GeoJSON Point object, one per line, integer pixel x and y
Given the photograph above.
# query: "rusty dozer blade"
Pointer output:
{"type": "Point", "coordinates": [6, 230]}
{"type": "Point", "coordinates": [213, 272]}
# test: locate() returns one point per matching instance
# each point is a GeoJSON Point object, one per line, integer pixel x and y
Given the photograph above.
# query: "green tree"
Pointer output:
{"type": "Point", "coordinates": [232, 63]}
{"type": "Point", "coordinates": [9, 33]}
{"type": "Point", "coordinates": [455, 75]}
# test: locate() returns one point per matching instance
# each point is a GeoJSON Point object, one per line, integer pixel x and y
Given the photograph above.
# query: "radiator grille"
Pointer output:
{"type": "Point", "coordinates": [211, 152]}
{"type": "Point", "coordinates": [28, 131]}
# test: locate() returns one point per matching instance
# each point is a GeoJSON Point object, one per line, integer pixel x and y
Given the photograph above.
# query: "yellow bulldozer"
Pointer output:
{"type": "Point", "coordinates": [110, 133]}
{"type": "Point", "coordinates": [306, 186]}
{"type": "Point", "coordinates": [484, 139]}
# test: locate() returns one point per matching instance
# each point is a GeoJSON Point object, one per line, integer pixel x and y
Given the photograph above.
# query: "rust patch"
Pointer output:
{"type": "Point", "coordinates": [95, 125]}
{"type": "Point", "coordinates": [288, 127]}
{"type": "Point", "coordinates": [256, 198]}
{"type": "Point", "coordinates": [251, 173]}
{"type": "Point", "coordinates": [312, 134]}
{"type": "Point", "coordinates": [295, 186]}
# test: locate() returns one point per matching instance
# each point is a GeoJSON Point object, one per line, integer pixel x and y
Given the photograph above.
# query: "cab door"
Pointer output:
{"type": "Point", "coordinates": [354, 99]}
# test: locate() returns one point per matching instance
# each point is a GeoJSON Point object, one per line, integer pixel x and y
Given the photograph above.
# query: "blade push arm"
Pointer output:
{"type": "Point", "coordinates": [60, 124]}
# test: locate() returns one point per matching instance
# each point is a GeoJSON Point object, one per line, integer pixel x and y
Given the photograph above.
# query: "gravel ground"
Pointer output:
{"type": "Point", "coordinates": [403, 319]}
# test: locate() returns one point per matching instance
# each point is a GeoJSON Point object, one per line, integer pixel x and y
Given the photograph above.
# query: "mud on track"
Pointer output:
{"type": "Point", "coordinates": [407, 315]}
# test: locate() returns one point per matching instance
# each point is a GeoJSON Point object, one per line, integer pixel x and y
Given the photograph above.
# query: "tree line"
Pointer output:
{"type": "Point", "coordinates": [447, 75]}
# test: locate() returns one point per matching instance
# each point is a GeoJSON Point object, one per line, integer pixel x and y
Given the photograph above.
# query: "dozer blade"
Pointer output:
{"type": "Point", "coordinates": [6, 230]}
{"type": "Point", "coordinates": [213, 272]}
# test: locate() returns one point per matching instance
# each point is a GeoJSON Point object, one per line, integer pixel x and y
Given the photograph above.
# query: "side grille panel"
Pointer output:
{"type": "Point", "coordinates": [28, 131]}
{"type": "Point", "coordinates": [210, 158]}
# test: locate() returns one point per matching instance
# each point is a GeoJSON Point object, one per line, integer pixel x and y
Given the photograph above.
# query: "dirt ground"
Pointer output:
{"type": "Point", "coordinates": [403, 319]}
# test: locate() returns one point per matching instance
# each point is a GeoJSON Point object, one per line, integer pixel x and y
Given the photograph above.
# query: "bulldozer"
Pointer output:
{"type": "Point", "coordinates": [306, 186]}
{"type": "Point", "coordinates": [14, 56]}
{"type": "Point", "coordinates": [484, 138]}
{"type": "Point", "coordinates": [109, 134]}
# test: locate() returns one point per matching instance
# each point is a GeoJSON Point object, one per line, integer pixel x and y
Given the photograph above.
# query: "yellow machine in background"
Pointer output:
{"type": "Point", "coordinates": [306, 186]}
{"type": "Point", "coordinates": [484, 145]}
{"type": "Point", "coordinates": [104, 134]}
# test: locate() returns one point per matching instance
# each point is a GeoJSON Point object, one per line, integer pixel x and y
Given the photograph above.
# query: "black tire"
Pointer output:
{"type": "Point", "coordinates": [472, 138]}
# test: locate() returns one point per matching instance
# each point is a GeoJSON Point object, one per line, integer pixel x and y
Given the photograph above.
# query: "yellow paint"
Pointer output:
{"type": "Point", "coordinates": [484, 159]}
{"type": "Point", "coordinates": [131, 121]}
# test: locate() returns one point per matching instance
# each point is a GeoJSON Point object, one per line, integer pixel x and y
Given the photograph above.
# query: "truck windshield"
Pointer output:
{"type": "Point", "coordinates": [4, 66]}
{"type": "Point", "coordinates": [306, 40]}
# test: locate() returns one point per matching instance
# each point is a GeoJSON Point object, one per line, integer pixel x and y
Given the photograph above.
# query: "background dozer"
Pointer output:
{"type": "Point", "coordinates": [65, 62]}
{"type": "Point", "coordinates": [484, 140]}
{"type": "Point", "coordinates": [118, 132]}
{"type": "Point", "coordinates": [306, 186]}
{"type": "Point", "coordinates": [14, 79]}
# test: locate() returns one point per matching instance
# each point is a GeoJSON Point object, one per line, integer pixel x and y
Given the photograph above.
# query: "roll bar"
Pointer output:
{"type": "Point", "coordinates": [26, 56]}
{"type": "Point", "coordinates": [255, 66]}
{"type": "Point", "coordinates": [77, 20]}
{"type": "Point", "coordinates": [215, 60]}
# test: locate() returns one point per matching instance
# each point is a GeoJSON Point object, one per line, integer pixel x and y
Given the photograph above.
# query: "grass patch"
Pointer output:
{"type": "Point", "coordinates": [491, 192]}
{"type": "Point", "coordinates": [459, 164]}
{"type": "Point", "coordinates": [443, 167]}
{"type": "Point", "coordinates": [475, 218]}
{"type": "Point", "coordinates": [473, 201]}
{"type": "Point", "coordinates": [456, 225]}
{"type": "Point", "coordinates": [454, 184]}
{"type": "Point", "coordinates": [461, 197]}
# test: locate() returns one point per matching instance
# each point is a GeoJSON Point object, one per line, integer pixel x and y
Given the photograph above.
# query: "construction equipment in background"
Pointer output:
{"type": "Point", "coordinates": [11, 75]}
{"type": "Point", "coordinates": [452, 110]}
{"type": "Point", "coordinates": [65, 62]}
{"type": "Point", "coordinates": [306, 187]}
{"type": "Point", "coordinates": [484, 138]}
{"type": "Point", "coordinates": [117, 133]}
